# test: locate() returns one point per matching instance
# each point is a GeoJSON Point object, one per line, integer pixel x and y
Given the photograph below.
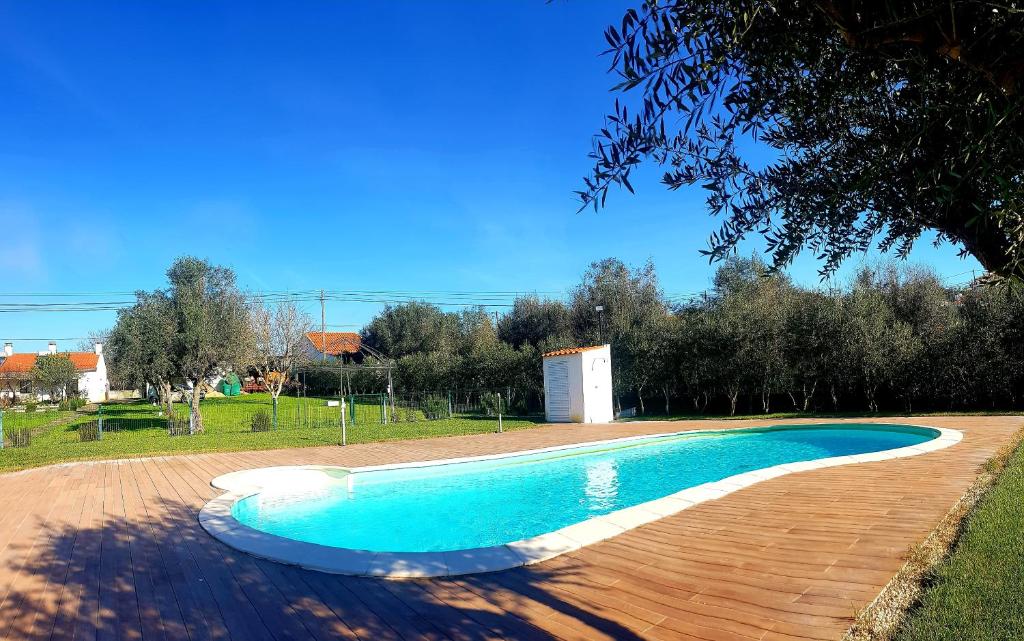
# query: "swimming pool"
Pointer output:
{"type": "Point", "coordinates": [494, 504]}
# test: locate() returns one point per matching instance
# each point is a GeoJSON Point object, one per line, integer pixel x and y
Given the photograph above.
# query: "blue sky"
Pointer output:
{"type": "Point", "coordinates": [338, 145]}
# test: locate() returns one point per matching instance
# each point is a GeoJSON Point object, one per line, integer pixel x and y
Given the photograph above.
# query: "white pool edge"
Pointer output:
{"type": "Point", "coordinates": [217, 520]}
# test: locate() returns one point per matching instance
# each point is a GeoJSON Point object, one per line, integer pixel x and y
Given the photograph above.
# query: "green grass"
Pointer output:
{"type": "Point", "coordinates": [138, 429]}
{"type": "Point", "coordinates": [978, 593]}
{"type": "Point", "coordinates": [33, 420]}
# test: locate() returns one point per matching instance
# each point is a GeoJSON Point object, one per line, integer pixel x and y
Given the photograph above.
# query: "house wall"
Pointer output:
{"type": "Point", "coordinates": [93, 386]}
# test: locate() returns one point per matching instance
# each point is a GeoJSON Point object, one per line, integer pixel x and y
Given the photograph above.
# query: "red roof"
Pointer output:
{"type": "Point", "coordinates": [568, 351]}
{"type": "Point", "coordinates": [23, 363]}
{"type": "Point", "coordinates": [338, 343]}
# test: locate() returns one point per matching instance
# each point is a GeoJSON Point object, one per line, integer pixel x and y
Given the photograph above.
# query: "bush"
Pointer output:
{"type": "Point", "coordinates": [177, 426]}
{"type": "Point", "coordinates": [435, 407]}
{"type": "Point", "coordinates": [18, 437]}
{"type": "Point", "coordinates": [31, 406]}
{"type": "Point", "coordinates": [89, 432]}
{"type": "Point", "coordinates": [490, 402]}
{"type": "Point", "coordinates": [76, 403]}
{"type": "Point", "coordinates": [261, 422]}
{"type": "Point", "coordinates": [64, 406]}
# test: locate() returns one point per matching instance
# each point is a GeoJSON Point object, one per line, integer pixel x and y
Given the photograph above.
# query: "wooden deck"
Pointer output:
{"type": "Point", "coordinates": [114, 551]}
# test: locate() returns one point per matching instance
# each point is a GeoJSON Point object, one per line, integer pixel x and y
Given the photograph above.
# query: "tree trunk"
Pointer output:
{"type": "Point", "coordinates": [733, 395]}
{"type": "Point", "coordinates": [640, 396]}
{"type": "Point", "coordinates": [809, 396]}
{"type": "Point", "coordinates": [668, 410]}
{"type": "Point", "coordinates": [166, 393]}
{"type": "Point", "coordinates": [835, 397]}
{"type": "Point", "coordinates": [766, 398]}
{"type": "Point", "coordinates": [197, 417]}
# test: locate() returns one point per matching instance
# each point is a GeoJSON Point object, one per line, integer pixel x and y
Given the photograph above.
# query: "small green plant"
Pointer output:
{"type": "Point", "coordinates": [88, 432]}
{"type": "Point", "coordinates": [261, 422]}
{"type": "Point", "coordinates": [21, 437]}
{"type": "Point", "coordinates": [76, 403]}
{"type": "Point", "coordinates": [491, 403]}
{"type": "Point", "coordinates": [64, 406]}
{"type": "Point", "coordinates": [434, 407]}
{"type": "Point", "coordinates": [178, 426]}
{"type": "Point", "coordinates": [31, 406]}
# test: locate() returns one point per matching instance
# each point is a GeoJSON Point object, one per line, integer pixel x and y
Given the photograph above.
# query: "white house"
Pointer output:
{"type": "Point", "coordinates": [16, 373]}
{"type": "Point", "coordinates": [578, 385]}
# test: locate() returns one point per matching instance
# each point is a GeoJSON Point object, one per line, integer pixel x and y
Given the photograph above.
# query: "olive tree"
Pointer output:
{"type": "Point", "coordinates": [54, 373]}
{"type": "Point", "coordinates": [886, 119]}
{"type": "Point", "coordinates": [140, 345]}
{"type": "Point", "coordinates": [211, 326]}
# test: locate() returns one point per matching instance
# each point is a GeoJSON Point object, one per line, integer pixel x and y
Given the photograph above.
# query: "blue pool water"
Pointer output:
{"type": "Point", "coordinates": [484, 503]}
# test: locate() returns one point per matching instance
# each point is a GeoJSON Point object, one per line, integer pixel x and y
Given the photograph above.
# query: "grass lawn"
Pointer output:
{"type": "Point", "coordinates": [978, 593]}
{"type": "Point", "coordinates": [138, 429]}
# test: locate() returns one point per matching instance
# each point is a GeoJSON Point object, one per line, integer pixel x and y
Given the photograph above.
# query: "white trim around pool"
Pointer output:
{"type": "Point", "coordinates": [216, 516]}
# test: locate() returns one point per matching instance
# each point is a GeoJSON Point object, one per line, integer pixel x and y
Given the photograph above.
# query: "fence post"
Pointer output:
{"type": "Point", "coordinates": [383, 411]}
{"type": "Point", "coordinates": [500, 430]}
{"type": "Point", "coordinates": [99, 433]}
{"type": "Point", "coordinates": [352, 408]}
{"type": "Point", "coordinates": [449, 403]}
{"type": "Point", "coordinates": [275, 413]}
{"type": "Point", "coordinates": [1, 429]}
{"type": "Point", "coordinates": [344, 430]}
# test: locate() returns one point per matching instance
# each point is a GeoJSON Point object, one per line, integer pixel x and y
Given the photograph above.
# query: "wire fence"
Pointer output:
{"type": "Point", "coordinates": [378, 416]}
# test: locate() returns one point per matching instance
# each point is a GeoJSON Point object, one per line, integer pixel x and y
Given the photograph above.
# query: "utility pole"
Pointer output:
{"type": "Point", "coordinates": [323, 329]}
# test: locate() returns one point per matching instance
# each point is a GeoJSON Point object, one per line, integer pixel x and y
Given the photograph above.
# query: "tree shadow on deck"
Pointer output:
{"type": "Point", "coordinates": [139, 566]}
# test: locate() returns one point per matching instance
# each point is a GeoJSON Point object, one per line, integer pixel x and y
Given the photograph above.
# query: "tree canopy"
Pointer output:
{"type": "Point", "coordinates": [54, 373]}
{"type": "Point", "coordinates": [888, 119]}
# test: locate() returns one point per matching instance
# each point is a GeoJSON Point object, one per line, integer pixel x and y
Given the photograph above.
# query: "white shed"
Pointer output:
{"type": "Point", "coordinates": [578, 385]}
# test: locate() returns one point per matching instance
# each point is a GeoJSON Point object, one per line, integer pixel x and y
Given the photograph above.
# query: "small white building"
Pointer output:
{"type": "Point", "coordinates": [16, 373]}
{"type": "Point", "coordinates": [578, 385]}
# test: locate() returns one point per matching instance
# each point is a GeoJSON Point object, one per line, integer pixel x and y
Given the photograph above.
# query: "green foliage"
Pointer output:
{"type": "Point", "coordinates": [887, 119]}
{"type": "Point", "coordinates": [261, 422]}
{"type": "Point", "coordinates": [892, 338]}
{"type": "Point", "coordinates": [31, 406]}
{"type": "Point", "coordinates": [54, 373]}
{"type": "Point", "coordinates": [434, 407]}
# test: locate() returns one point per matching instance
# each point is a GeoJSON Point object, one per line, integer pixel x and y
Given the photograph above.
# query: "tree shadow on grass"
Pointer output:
{"type": "Point", "coordinates": [153, 573]}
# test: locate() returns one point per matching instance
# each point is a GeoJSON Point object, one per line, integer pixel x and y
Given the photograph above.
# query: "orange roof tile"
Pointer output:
{"type": "Point", "coordinates": [572, 350]}
{"type": "Point", "coordinates": [23, 363]}
{"type": "Point", "coordinates": [338, 343]}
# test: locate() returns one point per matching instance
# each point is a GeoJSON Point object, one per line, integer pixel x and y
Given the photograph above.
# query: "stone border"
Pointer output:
{"type": "Point", "coordinates": [216, 516]}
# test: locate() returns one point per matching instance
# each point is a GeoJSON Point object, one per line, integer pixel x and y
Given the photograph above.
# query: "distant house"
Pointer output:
{"type": "Point", "coordinates": [344, 346]}
{"type": "Point", "coordinates": [16, 373]}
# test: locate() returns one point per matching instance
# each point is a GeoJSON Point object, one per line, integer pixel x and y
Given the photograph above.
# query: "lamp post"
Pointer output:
{"type": "Point", "coordinates": [600, 323]}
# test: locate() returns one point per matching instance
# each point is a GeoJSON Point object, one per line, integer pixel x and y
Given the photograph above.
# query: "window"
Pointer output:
{"type": "Point", "coordinates": [25, 386]}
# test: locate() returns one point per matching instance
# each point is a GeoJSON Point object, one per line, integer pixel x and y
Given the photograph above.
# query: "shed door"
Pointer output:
{"type": "Point", "coordinates": [557, 391]}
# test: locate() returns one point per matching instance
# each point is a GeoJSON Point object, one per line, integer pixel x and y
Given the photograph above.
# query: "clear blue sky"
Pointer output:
{"type": "Point", "coordinates": [339, 145]}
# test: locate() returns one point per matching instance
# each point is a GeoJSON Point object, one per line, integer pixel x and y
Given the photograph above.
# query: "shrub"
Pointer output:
{"type": "Point", "coordinates": [261, 422]}
{"type": "Point", "coordinates": [435, 407]}
{"type": "Point", "coordinates": [64, 406]}
{"type": "Point", "coordinates": [19, 437]}
{"type": "Point", "coordinates": [89, 432]}
{"type": "Point", "coordinates": [491, 403]}
{"type": "Point", "coordinates": [177, 426]}
{"type": "Point", "coordinates": [31, 406]}
{"type": "Point", "coordinates": [76, 403]}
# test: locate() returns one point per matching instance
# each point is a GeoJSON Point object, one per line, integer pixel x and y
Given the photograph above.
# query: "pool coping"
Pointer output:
{"type": "Point", "coordinates": [216, 516]}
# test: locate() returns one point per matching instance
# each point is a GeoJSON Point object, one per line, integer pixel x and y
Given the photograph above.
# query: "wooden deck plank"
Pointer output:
{"type": "Point", "coordinates": [114, 551]}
